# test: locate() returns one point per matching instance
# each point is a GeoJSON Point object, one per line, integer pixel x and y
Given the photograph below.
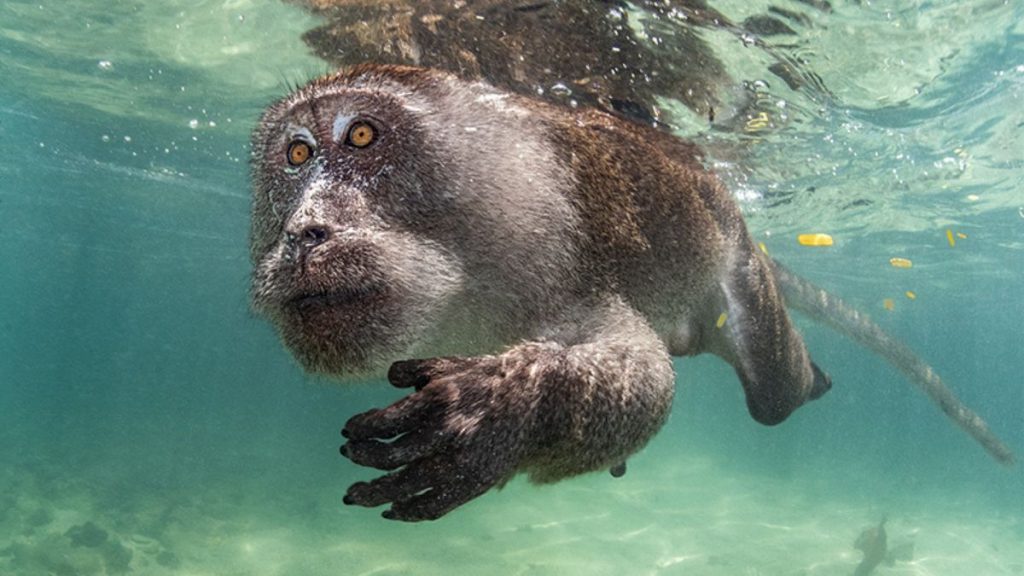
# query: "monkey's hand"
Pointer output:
{"type": "Point", "coordinates": [549, 409]}
{"type": "Point", "coordinates": [461, 433]}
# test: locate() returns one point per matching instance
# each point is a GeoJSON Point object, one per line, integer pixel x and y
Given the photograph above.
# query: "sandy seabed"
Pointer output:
{"type": "Point", "coordinates": [689, 518]}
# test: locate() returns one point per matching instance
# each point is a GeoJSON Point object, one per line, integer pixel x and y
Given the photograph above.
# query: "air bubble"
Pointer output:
{"type": "Point", "coordinates": [560, 89]}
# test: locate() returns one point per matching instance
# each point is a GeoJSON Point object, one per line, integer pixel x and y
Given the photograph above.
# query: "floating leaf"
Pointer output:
{"type": "Point", "coordinates": [759, 122]}
{"type": "Point", "coordinates": [814, 239]}
{"type": "Point", "coordinates": [900, 262]}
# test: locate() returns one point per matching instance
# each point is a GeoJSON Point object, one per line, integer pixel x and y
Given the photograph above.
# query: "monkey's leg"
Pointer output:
{"type": "Point", "coordinates": [761, 343]}
{"type": "Point", "coordinates": [552, 409]}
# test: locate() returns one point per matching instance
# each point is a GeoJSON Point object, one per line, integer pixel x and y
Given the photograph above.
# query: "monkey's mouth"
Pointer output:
{"type": "Point", "coordinates": [338, 330]}
{"type": "Point", "coordinates": [334, 299]}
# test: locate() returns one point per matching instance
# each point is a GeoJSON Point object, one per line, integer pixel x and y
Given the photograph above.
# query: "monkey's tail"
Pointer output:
{"type": "Point", "coordinates": [833, 312]}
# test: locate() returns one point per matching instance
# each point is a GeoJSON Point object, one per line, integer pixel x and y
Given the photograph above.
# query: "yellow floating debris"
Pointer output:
{"type": "Point", "coordinates": [721, 320]}
{"type": "Point", "coordinates": [900, 262]}
{"type": "Point", "coordinates": [888, 304]}
{"type": "Point", "coordinates": [961, 235]}
{"type": "Point", "coordinates": [814, 240]}
{"type": "Point", "coordinates": [949, 236]}
{"type": "Point", "coordinates": [910, 294]}
{"type": "Point", "coordinates": [759, 122]}
{"type": "Point", "coordinates": [763, 248]}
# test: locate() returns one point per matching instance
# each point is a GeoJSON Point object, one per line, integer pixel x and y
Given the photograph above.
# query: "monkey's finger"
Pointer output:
{"type": "Point", "coordinates": [419, 373]}
{"type": "Point", "coordinates": [400, 485]}
{"type": "Point", "coordinates": [406, 373]}
{"type": "Point", "coordinates": [407, 414]}
{"type": "Point", "coordinates": [434, 503]}
{"type": "Point", "coordinates": [390, 455]}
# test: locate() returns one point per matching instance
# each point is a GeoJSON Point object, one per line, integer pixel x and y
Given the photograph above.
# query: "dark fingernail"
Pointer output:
{"type": "Point", "coordinates": [388, 515]}
{"type": "Point", "coordinates": [344, 432]}
{"type": "Point", "coordinates": [348, 500]}
{"type": "Point", "coordinates": [344, 450]}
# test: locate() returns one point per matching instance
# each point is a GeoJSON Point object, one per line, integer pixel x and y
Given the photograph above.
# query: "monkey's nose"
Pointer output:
{"type": "Point", "coordinates": [308, 237]}
{"type": "Point", "coordinates": [313, 235]}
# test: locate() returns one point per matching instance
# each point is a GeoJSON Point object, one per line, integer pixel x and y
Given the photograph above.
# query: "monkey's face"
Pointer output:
{"type": "Point", "coordinates": [345, 265]}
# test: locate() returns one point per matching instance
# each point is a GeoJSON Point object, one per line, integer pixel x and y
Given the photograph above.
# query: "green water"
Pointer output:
{"type": "Point", "coordinates": [137, 391]}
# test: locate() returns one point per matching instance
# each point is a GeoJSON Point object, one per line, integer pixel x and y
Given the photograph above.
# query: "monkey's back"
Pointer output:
{"type": "Point", "coordinates": [659, 227]}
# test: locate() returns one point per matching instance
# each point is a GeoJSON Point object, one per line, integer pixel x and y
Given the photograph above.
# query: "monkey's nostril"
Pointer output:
{"type": "Point", "coordinates": [313, 235]}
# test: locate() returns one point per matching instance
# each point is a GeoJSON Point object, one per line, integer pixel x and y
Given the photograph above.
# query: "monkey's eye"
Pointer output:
{"type": "Point", "coordinates": [299, 153]}
{"type": "Point", "coordinates": [360, 134]}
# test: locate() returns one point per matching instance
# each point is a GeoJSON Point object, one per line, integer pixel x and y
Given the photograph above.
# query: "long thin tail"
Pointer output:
{"type": "Point", "coordinates": [833, 312]}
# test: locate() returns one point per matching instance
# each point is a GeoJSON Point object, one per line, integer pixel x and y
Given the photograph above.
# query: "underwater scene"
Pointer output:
{"type": "Point", "coordinates": [152, 423]}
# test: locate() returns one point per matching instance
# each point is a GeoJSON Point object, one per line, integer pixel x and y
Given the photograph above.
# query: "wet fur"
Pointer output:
{"type": "Point", "coordinates": [543, 263]}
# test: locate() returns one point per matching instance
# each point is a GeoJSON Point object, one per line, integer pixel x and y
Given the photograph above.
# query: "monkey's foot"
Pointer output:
{"type": "Point", "coordinates": [822, 383]}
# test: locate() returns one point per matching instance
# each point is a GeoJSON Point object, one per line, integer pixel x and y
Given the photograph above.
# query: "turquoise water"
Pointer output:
{"type": "Point", "coordinates": [140, 395]}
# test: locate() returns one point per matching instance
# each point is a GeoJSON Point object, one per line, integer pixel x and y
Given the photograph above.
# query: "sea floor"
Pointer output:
{"type": "Point", "coordinates": [694, 517]}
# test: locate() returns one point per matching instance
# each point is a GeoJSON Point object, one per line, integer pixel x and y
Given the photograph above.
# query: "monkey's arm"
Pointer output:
{"type": "Point", "coordinates": [583, 401]}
